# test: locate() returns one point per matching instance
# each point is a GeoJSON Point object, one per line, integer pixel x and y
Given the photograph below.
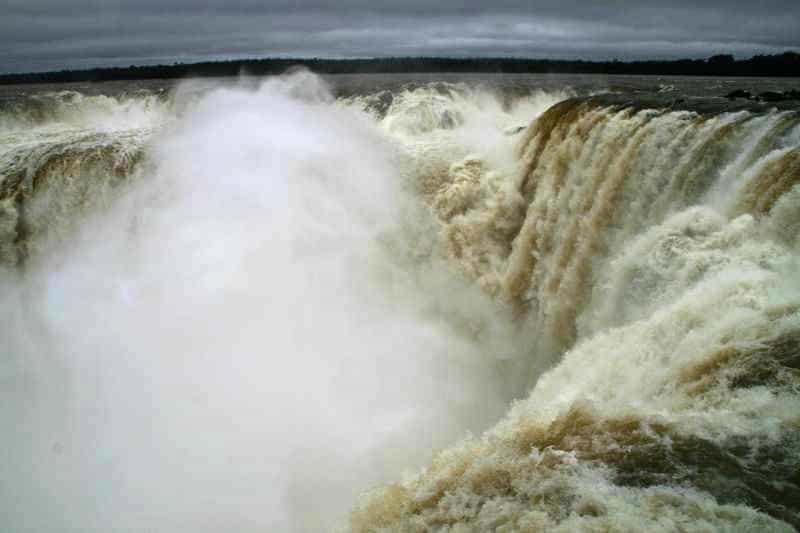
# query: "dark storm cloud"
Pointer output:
{"type": "Point", "coordinates": [42, 34]}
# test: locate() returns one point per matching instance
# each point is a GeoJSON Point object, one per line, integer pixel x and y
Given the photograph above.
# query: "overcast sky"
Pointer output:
{"type": "Point", "coordinates": [56, 34]}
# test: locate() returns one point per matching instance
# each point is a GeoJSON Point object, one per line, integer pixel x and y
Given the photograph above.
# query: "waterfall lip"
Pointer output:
{"type": "Point", "coordinates": [700, 105]}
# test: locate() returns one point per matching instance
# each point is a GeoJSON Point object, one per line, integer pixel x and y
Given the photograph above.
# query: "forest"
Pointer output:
{"type": "Point", "coordinates": [780, 65]}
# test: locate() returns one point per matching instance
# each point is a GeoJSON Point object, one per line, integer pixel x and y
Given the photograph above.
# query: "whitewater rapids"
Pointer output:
{"type": "Point", "coordinates": [259, 306]}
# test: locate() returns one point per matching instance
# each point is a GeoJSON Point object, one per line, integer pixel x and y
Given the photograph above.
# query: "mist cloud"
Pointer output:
{"type": "Point", "coordinates": [243, 342]}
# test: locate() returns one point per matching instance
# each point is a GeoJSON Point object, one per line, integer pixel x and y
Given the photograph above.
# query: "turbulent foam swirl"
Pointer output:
{"type": "Point", "coordinates": [243, 309]}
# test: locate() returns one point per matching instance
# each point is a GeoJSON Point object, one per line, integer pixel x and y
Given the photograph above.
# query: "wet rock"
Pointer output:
{"type": "Point", "coordinates": [514, 130]}
{"type": "Point", "coordinates": [382, 103]}
{"type": "Point", "coordinates": [771, 96]}
{"type": "Point", "coordinates": [774, 96]}
{"type": "Point", "coordinates": [739, 93]}
{"type": "Point", "coordinates": [450, 119]}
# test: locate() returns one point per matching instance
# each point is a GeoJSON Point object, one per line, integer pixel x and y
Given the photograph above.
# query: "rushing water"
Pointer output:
{"type": "Point", "coordinates": [399, 303]}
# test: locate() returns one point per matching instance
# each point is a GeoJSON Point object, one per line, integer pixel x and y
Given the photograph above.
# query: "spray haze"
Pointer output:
{"type": "Point", "coordinates": [240, 334]}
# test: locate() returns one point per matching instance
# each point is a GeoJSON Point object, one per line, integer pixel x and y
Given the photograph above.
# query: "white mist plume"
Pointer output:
{"type": "Point", "coordinates": [240, 343]}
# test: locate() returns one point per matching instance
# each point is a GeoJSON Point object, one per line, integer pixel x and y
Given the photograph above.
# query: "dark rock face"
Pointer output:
{"type": "Point", "coordinates": [768, 96]}
{"type": "Point", "coordinates": [774, 96]}
{"type": "Point", "coordinates": [738, 94]}
{"type": "Point", "coordinates": [771, 96]}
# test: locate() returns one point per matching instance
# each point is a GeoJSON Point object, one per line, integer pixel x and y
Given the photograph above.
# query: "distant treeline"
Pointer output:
{"type": "Point", "coordinates": [786, 64]}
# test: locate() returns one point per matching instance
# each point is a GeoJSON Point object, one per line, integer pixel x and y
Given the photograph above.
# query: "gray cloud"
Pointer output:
{"type": "Point", "coordinates": [55, 34]}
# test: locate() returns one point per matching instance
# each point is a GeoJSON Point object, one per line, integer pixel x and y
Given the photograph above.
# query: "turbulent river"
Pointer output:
{"type": "Point", "coordinates": [387, 303]}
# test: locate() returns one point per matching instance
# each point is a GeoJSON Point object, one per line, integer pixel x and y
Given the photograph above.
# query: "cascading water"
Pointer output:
{"type": "Point", "coordinates": [659, 250]}
{"type": "Point", "coordinates": [240, 306]}
{"type": "Point", "coordinates": [62, 154]}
